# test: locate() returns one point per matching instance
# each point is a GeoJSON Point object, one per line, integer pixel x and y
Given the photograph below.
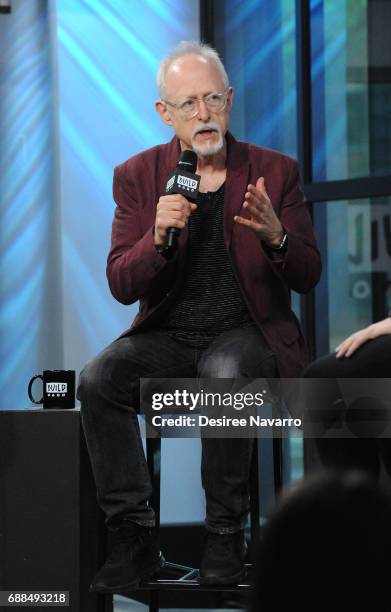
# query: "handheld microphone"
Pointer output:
{"type": "Point", "coordinates": [184, 181]}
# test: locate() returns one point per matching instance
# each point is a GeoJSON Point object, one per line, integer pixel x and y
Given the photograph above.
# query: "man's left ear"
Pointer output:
{"type": "Point", "coordinates": [230, 95]}
{"type": "Point", "coordinates": [162, 109]}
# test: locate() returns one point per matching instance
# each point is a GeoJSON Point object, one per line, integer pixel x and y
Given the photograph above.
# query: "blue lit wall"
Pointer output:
{"type": "Point", "coordinates": [30, 271]}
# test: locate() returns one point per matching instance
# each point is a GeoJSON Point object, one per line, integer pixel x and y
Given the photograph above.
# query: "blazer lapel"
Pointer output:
{"type": "Point", "coordinates": [169, 158]}
{"type": "Point", "coordinates": [238, 176]}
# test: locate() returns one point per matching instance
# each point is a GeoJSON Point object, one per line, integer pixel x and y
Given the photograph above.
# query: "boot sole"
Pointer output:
{"type": "Point", "coordinates": [130, 586]}
{"type": "Point", "coordinates": [223, 580]}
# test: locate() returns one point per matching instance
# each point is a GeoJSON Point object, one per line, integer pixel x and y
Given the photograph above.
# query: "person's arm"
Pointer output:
{"type": "Point", "coordinates": [135, 260]}
{"type": "Point", "coordinates": [354, 341]}
{"type": "Point", "coordinates": [299, 262]}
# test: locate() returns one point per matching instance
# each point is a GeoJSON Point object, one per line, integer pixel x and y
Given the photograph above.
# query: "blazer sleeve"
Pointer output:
{"type": "Point", "coordinates": [301, 265]}
{"type": "Point", "coordinates": [133, 264]}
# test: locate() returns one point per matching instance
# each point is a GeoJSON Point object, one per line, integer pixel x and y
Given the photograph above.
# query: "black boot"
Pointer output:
{"type": "Point", "coordinates": [223, 560]}
{"type": "Point", "coordinates": [134, 557]}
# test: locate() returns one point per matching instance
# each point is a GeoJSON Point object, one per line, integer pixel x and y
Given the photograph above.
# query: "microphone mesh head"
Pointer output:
{"type": "Point", "coordinates": [188, 161]}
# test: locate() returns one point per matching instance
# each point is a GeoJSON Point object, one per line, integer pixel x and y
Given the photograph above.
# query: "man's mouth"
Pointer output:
{"type": "Point", "coordinates": [206, 132]}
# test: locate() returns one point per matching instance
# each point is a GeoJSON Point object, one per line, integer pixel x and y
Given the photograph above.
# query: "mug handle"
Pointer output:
{"type": "Point", "coordinates": [30, 387]}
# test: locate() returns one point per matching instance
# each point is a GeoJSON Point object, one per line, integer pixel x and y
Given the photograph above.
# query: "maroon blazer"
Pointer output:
{"type": "Point", "coordinates": [136, 271]}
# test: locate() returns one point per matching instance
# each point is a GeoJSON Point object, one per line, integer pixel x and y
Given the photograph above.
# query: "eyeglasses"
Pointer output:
{"type": "Point", "coordinates": [189, 108]}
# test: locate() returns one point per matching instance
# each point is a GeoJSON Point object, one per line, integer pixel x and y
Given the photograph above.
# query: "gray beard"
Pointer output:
{"type": "Point", "coordinates": [208, 148]}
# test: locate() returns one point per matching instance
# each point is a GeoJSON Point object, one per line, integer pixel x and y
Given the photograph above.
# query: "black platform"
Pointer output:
{"type": "Point", "coordinates": [51, 528]}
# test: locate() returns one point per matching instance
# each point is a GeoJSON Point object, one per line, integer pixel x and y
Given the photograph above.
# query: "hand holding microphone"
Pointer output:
{"type": "Point", "coordinates": [174, 208]}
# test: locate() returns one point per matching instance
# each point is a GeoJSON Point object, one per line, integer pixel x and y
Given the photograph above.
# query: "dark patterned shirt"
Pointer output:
{"type": "Point", "coordinates": [210, 301]}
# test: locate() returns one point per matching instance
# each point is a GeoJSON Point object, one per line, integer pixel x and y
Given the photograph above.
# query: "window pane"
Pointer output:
{"type": "Point", "coordinates": [357, 265]}
{"type": "Point", "coordinates": [351, 78]}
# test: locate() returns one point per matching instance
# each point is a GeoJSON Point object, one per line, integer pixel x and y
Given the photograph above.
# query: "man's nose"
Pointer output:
{"type": "Point", "coordinates": [203, 111]}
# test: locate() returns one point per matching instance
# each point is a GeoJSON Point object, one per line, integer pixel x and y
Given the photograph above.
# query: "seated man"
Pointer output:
{"type": "Point", "coordinates": [217, 306]}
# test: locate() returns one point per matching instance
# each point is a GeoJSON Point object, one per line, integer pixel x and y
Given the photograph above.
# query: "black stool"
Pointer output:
{"type": "Point", "coordinates": [174, 576]}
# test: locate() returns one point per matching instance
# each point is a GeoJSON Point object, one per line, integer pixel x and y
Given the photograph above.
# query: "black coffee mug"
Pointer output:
{"type": "Point", "coordinates": [58, 389]}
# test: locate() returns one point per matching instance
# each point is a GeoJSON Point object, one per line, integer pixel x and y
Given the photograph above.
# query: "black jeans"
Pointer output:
{"type": "Point", "coordinates": [372, 360]}
{"type": "Point", "coordinates": [109, 395]}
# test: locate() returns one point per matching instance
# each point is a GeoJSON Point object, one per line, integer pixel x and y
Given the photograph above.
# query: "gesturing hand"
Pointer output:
{"type": "Point", "coordinates": [353, 342]}
{"type": "Point", "coordinates": [263, 219]}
